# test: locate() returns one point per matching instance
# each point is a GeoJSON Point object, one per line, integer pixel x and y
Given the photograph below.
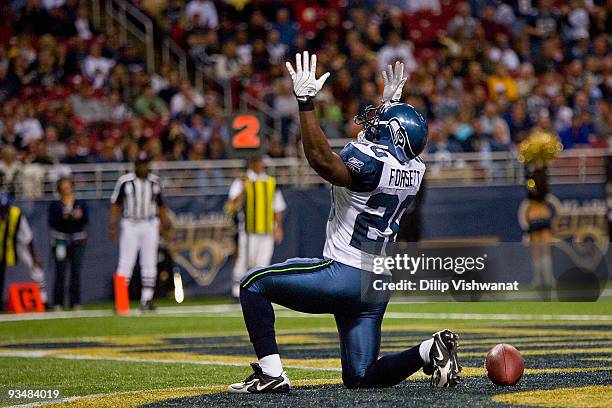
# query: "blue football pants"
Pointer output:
{"type": "Point", "coordinates": [313, 285]}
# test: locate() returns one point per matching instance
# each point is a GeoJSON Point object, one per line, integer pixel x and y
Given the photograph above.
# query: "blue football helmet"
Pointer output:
{"type": "Point", "coordinates": [399, 126]}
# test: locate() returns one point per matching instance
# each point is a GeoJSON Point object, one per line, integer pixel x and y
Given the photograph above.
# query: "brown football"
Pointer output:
{"type": "Point", "coordinates": [504, 365]}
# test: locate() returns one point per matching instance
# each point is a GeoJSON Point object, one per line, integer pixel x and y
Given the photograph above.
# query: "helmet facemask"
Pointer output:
{"type": "Point", "coordinates": [368, 118]}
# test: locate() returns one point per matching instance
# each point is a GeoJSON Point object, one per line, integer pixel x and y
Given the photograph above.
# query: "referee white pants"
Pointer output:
{"type": "Point", "coordinates": [139, 237]}
{"type": "Point", "coordinates": [253, 250]}
{"type": "Point", "coordinates": [37, 274]}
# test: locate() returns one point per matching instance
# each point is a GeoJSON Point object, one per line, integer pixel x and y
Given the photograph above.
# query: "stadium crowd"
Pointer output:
{"type": "Point", "coordinates": [484, 72]}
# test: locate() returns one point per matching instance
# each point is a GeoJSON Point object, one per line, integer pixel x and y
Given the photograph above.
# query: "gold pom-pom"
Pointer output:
{"type": "Point", "coordinates": [540, 147]}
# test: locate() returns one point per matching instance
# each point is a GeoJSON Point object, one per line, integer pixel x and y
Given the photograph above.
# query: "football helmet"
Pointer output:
{"type": "Point", "coordinates": [399, 126]}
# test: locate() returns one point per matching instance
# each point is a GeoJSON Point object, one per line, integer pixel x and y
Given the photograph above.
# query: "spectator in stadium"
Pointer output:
{"type": "Point", "coordinates": [173, 135]}
{"type": "Point", "coordinates": [173, 12]}
{"type": "Point", "coordinates": [203, 12]}
{"type": "Point", "coordinates": [526, 79]}
{"type": "Point", "coordinates": [576, 135]}
{"type": "Point", "coordinates": [170, 88]}
{"type": "Point", "coordinates": [501, 141]}
{"type": "Point", "coordinates": [287, 28]}
{"type": "Point", "coordinates": [73, 155]}
{"type": "Point", "coordinates": [463, 24]}
{"type": "Point", "coordinates": [394, 50]}
{"type": "Point", "coordinates": [185, 102]}
{"type": "Point", "coordinates": [217, 148]}
{"type": "Point", "coordinates": [34, 18]}
{"type": "Point", "coordinates": [68, 218]}
{"type": "Point", "coordinates": [96, 68]}
{"type": "Point", "coordinates": [541, 25]}
{"type": "Point", "coordinates": [490, 118]}
{"type": "Point", "coordinates": [119, 82]}
{"type": "Point", "coordinates": [562, 113]}
{"type": "Point", "coordinates": [603, 120]}
{"type": "Point", "coordinates": [27, 126]}
{"type": "Point", "coordinates": [198, 150]}
{"type": "Point", "coordinates": [45, 71]}
{"type": "Point", "coordinates": [109, 152]}
{"type": "Point", "coordinates": [439, 141]}
{"type": "Point", "coordinates": [149, 106]}
{"type": "Point", "coordinates": [197, 130]}
{"type": "Point", "coordinates": [86, 105]}
{"type": "Point", "coordinates": [10, 170]}
{"type": "Point", "coordinates": [502, 84]}
{"type": "Point", "coordinates": [131, 59]}
{"type": "Point", "coordinates": [475, 77]}
{"type": "Point", "coordinates": [56, 149]}
{"type": "Point", "coordinates": [39, 153]}
{"type": "Point", "coordinates": [276, 49]}
{"type": "Point", "coordinates": [518, 122]}
{"type": "Point", "coordinates": [82, 24]}
{"type": "Point", "coordinates": [119, 111]}
{"type": "Point", "coordinates": [227, 64]}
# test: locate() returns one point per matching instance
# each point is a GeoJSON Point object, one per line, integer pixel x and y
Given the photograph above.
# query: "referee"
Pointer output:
{"type": "Point", "coordinates": [138, 200]}
{"type": "Point", "coordinates": [260, 221]}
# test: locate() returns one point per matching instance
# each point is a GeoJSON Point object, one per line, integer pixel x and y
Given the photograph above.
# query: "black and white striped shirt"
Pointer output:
{"type": "Point", "coordinates": [139, 198]}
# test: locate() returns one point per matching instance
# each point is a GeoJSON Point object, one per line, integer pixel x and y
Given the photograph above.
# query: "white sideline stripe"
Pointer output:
{"type": "Point", "coordinates": [234, 310]}
{"type": "Point", "coordinates": [48, 354]}
{"type": "Point", "coordinates": [9, 317]}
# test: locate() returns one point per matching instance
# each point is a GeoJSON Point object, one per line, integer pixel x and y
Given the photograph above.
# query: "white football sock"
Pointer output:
{"type": "Point", "coordinates": [271, 365]}
{"type": "Point", "coordinates": [146, 294]}
{"type": "Point", "coordinates": [424, 349]}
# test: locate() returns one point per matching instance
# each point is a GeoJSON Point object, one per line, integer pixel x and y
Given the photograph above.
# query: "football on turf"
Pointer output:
{"type": "Point", "coordinates": [504, 365]}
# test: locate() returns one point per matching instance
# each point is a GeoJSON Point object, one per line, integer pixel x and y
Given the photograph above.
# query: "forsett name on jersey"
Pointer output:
{"type": "Point", "coordinates": [404, 178]}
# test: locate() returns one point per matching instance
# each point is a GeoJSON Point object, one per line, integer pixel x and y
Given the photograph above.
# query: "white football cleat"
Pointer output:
{"type": "Point", "coordinates": [259, 383]}
{"type": "Point", "coordinates": [443, 365]}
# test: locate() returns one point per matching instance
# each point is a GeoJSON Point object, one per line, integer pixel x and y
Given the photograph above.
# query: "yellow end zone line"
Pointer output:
{"type": "Point", "coordinates": [594, 396]}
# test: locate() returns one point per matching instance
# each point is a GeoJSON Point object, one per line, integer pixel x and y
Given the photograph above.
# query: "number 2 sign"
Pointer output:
{"type": "Point", "coordinates": [245, 131]}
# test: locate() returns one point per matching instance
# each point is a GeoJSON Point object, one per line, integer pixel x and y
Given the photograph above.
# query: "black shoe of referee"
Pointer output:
{"type": "Point", "coordinates": [147, 306]}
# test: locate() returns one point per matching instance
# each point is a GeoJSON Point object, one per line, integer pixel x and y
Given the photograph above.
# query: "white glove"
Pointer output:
{"type": "Point", "coordinates": [394, 82]}
{"type": "Point", "coordinates": [305, 85]}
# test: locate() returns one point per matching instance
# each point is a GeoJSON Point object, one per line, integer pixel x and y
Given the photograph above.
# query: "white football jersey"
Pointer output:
{"type": "Point", "coordinates": [364, 217]}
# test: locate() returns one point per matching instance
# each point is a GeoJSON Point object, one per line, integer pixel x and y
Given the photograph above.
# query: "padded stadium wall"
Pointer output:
{"type": "Point", "coordinates": [203, 240]}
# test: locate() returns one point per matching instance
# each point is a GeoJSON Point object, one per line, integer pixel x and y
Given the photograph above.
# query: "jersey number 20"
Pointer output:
{"type": "Point", "coordinates": [366, 221]}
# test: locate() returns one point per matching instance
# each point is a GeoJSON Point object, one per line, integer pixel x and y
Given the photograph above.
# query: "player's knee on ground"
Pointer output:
{"type": "Point", "coordinates": [350, 383]}
{"type": "Point", "coordinates": [352, 379]}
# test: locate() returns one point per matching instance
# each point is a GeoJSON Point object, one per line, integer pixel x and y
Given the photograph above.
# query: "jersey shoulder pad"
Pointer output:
{"type": "Point", "coordinates": [154, 178]}
{"type": "Point", "coordinates": [365, 169]}
{"type": "Point", "coordinates": [126, 177]}
{"type": "Point", "coordinates": [418, 162]}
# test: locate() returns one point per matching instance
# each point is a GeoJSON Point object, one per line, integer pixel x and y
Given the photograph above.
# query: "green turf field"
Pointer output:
{"type": "Point", "coordinates": [185, 356]}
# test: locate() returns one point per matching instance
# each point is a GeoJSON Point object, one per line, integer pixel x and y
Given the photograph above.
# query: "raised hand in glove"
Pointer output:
{"type": "Point", "coordinates": [393, 80]}
{"type": "Point", "coordinates": [305, 85]}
